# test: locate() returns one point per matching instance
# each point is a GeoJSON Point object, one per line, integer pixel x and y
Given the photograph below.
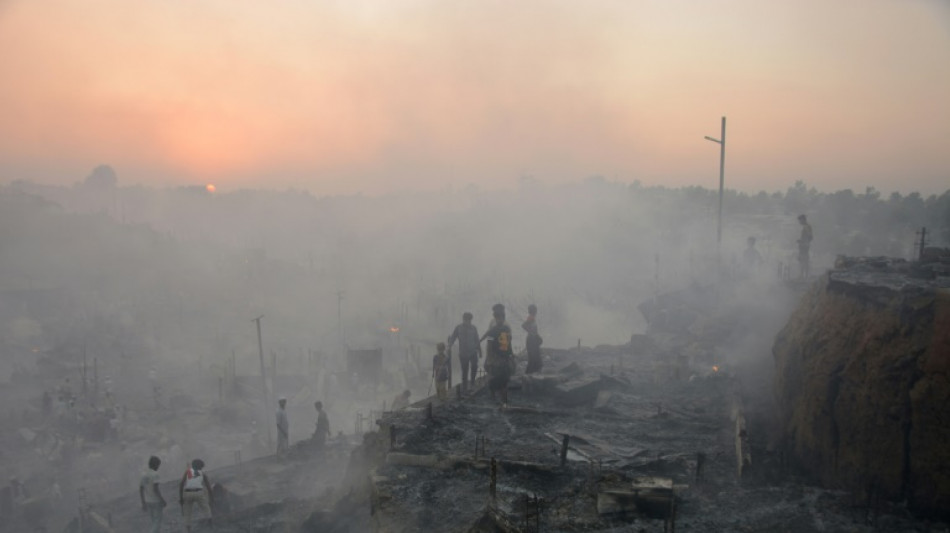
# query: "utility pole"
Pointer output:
{"type": "Point", "coordinates": [260, 351]}
{"type": "Point", "coordinates": [273, 368]}
{"type": "Point", "coordinates": [922, 243]}
{"type": "Point", "coordinates": [722, 167]}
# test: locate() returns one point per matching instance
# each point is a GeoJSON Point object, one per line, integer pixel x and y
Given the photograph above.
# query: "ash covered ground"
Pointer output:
{"type": "Point", "coordinates": [630, 422]}
{"type": "Point", "coordinates": [633, 420]}
{"type": "Point", "coordinates": [674, 430]}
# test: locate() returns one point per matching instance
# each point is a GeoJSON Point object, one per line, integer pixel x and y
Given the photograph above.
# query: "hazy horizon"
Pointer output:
{"type": "Point", "coordinates": [374, 97]}
{"type": "Point", "coordinates": [380, 168]}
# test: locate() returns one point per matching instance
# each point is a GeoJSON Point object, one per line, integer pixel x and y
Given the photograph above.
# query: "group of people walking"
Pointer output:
{"type": "Point", "coordinates": [499, 357]}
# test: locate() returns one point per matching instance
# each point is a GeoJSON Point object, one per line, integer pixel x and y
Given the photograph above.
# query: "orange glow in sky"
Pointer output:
{"type": "Point", "coordinates": [372, 96]}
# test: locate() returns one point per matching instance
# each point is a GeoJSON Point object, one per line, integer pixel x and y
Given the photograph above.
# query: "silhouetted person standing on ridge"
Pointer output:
{"type": "Point", "coordinates": [469, 349]}
{"type": "Point", "coordinates": [440, 371]}
{"type": "Point", "coordinates": [533, 342]}
{"type": "Point", "coordinates": [323, 426]}
{"type": "Point", "coordinates": [804, 245]}
{"type": "Point", "coordinates": [499, 357]}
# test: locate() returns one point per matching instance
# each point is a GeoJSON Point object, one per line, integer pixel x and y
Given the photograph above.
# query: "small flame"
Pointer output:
{"type": "Point", "coordinates": [210, 188]}
{"type": "Point", "coordinates": [394, 329]}
{"type": "Point", "coordinates": [715, 368]}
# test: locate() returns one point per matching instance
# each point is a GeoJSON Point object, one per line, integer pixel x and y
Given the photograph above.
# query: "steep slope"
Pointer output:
{"type": "Point", "coordinates": [862, 384]}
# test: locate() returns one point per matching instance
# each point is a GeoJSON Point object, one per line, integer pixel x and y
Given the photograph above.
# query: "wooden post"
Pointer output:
{"type": "Point", "coordinates": [494, 479]}
{"type": "Point", "coordinates": [721, 141]}
{"type": "Point", "coordinates": [527, 511]}
{"type": "Point", "coordinates": [532, 513]}
{"type": "Point", "coordinates": [743, 454]}
{"type": "Point", "coordinates": [273, 369]}
{"type": "Point", "coordinates": [670, 524]}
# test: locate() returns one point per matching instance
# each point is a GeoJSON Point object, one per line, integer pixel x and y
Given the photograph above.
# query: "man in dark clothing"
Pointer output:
{"type": "Point", "coordinates": [533, 342]}
{"type": "Point", "coordinates": [323, 426]}
{"type": "Point", "coordinates": [804, 245]}
{"type": "Point", "coordinates": [499, 359]}
{"type": "Point", "coordinates": [470, 349]}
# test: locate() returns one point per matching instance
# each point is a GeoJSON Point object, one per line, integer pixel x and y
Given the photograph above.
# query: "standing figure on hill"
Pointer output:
{"type": "Point", "coordinates": [323, 426]}
{"type": "Point", "coordinates": [804, 245]}
{"type": "Point", "coordinates": [283, 427]}
{"type": "Point", "coordinates": [533, 342]}
{"type": "Point", "coordinates": [440, 371]}
{"type": "Point", "coordinates": [470, 350]}
{"type": "Point", "coordinates": [499, 358]}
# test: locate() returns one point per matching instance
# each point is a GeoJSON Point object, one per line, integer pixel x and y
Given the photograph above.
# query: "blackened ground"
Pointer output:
{"type": "Point", "coordinates": [635, 423]}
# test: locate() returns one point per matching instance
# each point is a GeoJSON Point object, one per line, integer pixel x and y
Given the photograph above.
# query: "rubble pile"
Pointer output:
{"type": "Point", "coordinates": [582, 449]}
{"type": "Point", "coordinates": [672, 430]}
{"type": "Point", "coordinates": [581, 440]}
{"type": "Point", "coordinates": [862, 381]}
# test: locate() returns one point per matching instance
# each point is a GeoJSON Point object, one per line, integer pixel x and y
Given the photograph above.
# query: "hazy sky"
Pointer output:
{"type": "Point", "coordinates": [349, 95]}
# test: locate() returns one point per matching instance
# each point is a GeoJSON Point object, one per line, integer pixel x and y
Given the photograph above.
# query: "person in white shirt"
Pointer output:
{"type": "Point", "coordinates": [153, 502]}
